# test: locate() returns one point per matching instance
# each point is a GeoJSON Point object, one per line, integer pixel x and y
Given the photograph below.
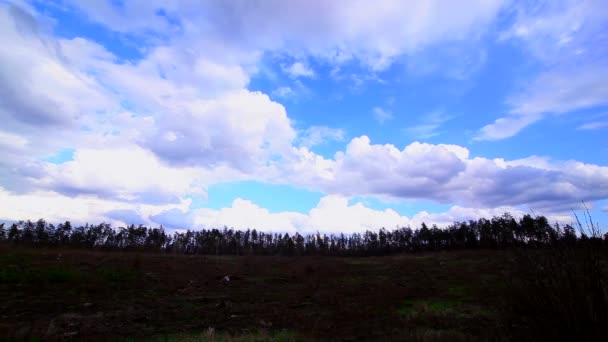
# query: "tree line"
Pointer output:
{"type": "Point", "coordinates": [499, 232]}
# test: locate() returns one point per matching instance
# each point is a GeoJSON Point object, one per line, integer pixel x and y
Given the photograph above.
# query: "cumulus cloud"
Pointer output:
{"type": "Point", "coordinates": [56, 207]}
{"type": "Point", "coordinates": [129, 174]}
{"type": "Point", "coordinates": [44, 97]}
{"type": "Point", "coordinates": [10, 141]}
{"type": "Point", "coordinates": [128, 216]}
{"type": "Point", "coordinates": [448, 174]}
{"type": "Point", "coordinates": [244, 214]}
{"type": "Point", "coordinates": [38, 87]}
{"type": "Point", "coordinates": [334, 214]}
{"type": "Point", "coordinates": [190, 109]}
{"type": "Point", "coordinates": [149, 132]}
{"type": "Point", "coordinates": [239, 129]}
{"type": "Point", "coordinates": [194, 107]}
{"type": "Point", "coordinates": [175, 219]}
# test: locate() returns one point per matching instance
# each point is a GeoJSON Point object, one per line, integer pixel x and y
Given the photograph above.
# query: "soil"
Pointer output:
{"type": "Point", "coordinates": [51, 294]}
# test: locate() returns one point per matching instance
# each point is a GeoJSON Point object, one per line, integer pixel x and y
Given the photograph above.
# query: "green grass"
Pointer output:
{"type": "Point", "coordinates": [51, 275]}
{"type": "Point", "coordinates": [10, 276]}
{"type": "Point", "coordinates": [459, 292]}
{"type": "Point", "coordinates": [116, 276]}
{"type": "Point", "coordinates": [452, 310]}
{"type": "Point", "coordinates": [434, 307]}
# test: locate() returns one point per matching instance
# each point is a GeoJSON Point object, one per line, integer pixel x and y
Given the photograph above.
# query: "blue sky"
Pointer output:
{"type": "Point", "coordinates": [302, 115]}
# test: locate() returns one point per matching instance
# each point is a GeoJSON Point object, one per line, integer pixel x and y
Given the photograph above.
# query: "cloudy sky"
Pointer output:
{"type": "Point", "coordinates": [302, 115]}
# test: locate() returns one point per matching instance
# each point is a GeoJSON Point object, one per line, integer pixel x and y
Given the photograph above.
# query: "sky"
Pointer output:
{"type": "Point", "coordinates": [302, 115]}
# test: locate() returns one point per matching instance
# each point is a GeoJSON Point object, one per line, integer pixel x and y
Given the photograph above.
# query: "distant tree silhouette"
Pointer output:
{"type": "Point", "coordinates": [498, 232]}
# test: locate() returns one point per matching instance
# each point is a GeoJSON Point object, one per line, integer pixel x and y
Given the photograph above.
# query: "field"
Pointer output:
{"type": "Point", "coordinates": [57, 294]}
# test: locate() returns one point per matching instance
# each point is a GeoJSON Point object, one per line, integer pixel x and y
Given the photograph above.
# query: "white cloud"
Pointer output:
{"type": "Point", "coordinates": [283, 92]}
{"type": "Point", "coordinates": [506, 127]}
{"type": "Point", "coordinates": [45, 99]}
{"type": "Point", "coordinates": [560, 31]}
{"type": "Point", "coordinates": [332, 214]}
{"type": "Point", "coordinates": [244, 214]}
{"type": "Point", "coordinates": [550, 93]}
{"type": "Point", "coordinates": [136, 16]}
{"type": "Point", "coordinates": [422, 131]}
{"type": "Point", "coordinates": [447, 173]}
{"type": "Point", "coordinates": [594, 125]}
{"type": "Point", "coordinates": [38, 87]}
{"type": "Point", "coordinates": [336, 31]}
{"type": "Point", "coordinates": [12, 141]}
{"type": "Point", "coordinates": [191, 121]}
{"type": "Point", "coordinates": [55, 207]}
{"type": "Point", "coordinates": [299, 69]}
{"type": "Point", "coordinates": [240, 129]}
{"type": "Point", "coordinates": [568, 39]}
{"type": "Point", "coordinates": [317, 135]}
{"type": "Point", "coordinates": [196, 107]}
{"type": "Point", "coordinates": [382, 115]}
{"type": "Point", "coordinates": [189, 108]}
{"type": "Point", "coordinates": [459, 60]}
{"type": "Point", "coordinates": [429, 126]}
{"type": "Point", "coordinates": [128, 173]}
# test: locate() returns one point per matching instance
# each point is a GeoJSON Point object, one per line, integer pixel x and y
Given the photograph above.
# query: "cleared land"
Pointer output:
{"type": "Point", "coordinates": [51, 293]}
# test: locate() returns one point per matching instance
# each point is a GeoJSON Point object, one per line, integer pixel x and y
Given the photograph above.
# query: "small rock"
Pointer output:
{"type": "Point", "coordinates": [265, 324]}
{"type": "Point", "coordinates": [226, 280]}
{"type": "Point", "coordinates": [52, 329]}
{"type": "Point", "coordinates": [224, 304]}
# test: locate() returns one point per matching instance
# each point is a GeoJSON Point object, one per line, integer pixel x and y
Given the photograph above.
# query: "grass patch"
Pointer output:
{"type": "Point", "coordinates": [51, 275]}
{"type": "Point", "coordinates": [434, 307]}
{"type": "Point", "coordinates": [59, 275]}
{"type": "Point", "coordinates": [10, 276]}
{"type": "Point", "coordinates": [14, 259]}
{"type": "Point", "coordinates": [211, 335]}
{"type": "Point", "coordinates": [362, 261]}
{"type": "Point", "coordinates": [173, 298]}
{"type": "Point", "coordinates": [459, 292]}
{"type": "Point", "coordinates": [449, 309]}
{"type": "Point", "coordinates": [116, 276]}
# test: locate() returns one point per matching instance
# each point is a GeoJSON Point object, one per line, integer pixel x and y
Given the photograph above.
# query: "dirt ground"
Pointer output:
{"type": "Point", "coordinates": [50, 294]}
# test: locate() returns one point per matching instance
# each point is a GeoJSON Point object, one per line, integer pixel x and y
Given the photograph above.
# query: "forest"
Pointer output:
{"type": "Point", "coordinates": [495, 233]}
